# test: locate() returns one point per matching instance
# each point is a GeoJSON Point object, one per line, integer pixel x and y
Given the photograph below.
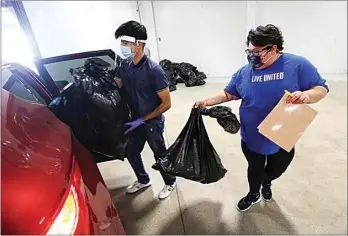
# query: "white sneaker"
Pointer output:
{"type": "Point", "coordinates": [136, 186]}
{"type": "Point", "coordinates": [166, 191]}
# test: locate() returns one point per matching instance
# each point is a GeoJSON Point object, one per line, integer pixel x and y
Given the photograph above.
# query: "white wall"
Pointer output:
{"type": "Point", "coordinates": [314, 29]}
{"type": "Point", "coordinates": [63, 27]}
{"type": "Point", "coordinates": [207, 34]}
{"type": "Point", "coordinates": [147, 19]}
{"type": "Point", "coordinates": [212, 35]}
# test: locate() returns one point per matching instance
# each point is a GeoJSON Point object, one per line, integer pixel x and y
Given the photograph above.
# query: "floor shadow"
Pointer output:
{"type": "Point", "coordinates": [260, 220]}
{"type": "Point", "coordinates": [130, 212]}
{"type": "Point", "coordinates": [199, 219]}
{"type": "Point", "coordinates": [246, 224]}
{"type": "Point", "coordinates": [117, 183]}
{"type": "Point", "coordinates": [272, 210]}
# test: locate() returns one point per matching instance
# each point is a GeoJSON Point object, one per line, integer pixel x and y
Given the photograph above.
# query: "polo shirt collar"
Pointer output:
{"type": "Point", "coordinates": [141, 62]}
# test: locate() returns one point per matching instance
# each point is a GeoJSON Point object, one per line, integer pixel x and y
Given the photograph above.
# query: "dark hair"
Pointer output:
{"type": "Point", "coordinates": [133, 29]}
{"type": "Point", "coordinates": [264, 35]}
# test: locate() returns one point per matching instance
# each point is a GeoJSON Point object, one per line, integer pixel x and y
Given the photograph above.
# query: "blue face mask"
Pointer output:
{"type": "Point", "coordinates": [255, 61]}
{"type": "Point", "coordinates": [127, 52]}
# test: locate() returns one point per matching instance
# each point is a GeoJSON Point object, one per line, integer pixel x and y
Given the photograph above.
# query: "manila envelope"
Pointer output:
{"type": "Point", "coordinates": [286, 123]}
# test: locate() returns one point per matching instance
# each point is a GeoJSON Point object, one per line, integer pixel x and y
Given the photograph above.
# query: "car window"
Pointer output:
{"type": "Point", "coordinates": [5, 76]}
{"type": "Point", "coordinates": [60, 71]}
{"type": "Point", "coordinates": [19, 88]}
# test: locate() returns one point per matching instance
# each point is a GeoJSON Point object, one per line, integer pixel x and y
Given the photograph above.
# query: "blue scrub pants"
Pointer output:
{"type": "Point", "coordinates": [152, 133]}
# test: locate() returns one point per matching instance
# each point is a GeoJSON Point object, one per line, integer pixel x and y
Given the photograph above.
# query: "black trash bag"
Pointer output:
{"type": "Point", "coordinates": [176, 70]}
{"type": "Point", "coordinates": [188, 66]}
{"type": "Point", "coordinates": [182, 73]}
{"type": "Point", "coordinates": [224, 117]}
{"type": "Point", "coordinates": [171, 79]}
{"type": "Point", "coordinates": [200, 75]}
{"type": "Point", "coordinates": [179, 80]}
{"type": "Point", "coordinates": [188, 75]}
{"type": "Point", "coordinates": [192, 156]}
{"type": "Point", "coordinates": [166, 66]}
{"type": "Point", "coordinates": [193, 80]}
{"type": "Point", "coordinates": [95, 110]}
{"type": "Point", "coordinates": [172, 87]}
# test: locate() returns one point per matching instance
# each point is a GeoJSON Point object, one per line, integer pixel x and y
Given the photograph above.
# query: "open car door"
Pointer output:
{"type": "Point", "coordinates": [55, 70]}
{"type": "Point", "coordinates": [87, 99]}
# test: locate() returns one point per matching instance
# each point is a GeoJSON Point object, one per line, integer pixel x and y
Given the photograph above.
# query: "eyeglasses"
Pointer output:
{"type": "Point", "coordinates": [257, 52]}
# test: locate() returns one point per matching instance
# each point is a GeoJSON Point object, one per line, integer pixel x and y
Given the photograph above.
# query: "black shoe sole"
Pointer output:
{"type": "Point", "coordinates": [265, 199]}
{"type": "Point", "coordinates": [258, 200]}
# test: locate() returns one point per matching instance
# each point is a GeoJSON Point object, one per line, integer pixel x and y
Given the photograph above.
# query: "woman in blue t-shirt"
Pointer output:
{"type": "Point", "coordinates": [261, 85]}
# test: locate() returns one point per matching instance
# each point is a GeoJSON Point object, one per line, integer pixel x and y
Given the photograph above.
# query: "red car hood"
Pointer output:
{"type": "Point", "coordinates": [35, 165]}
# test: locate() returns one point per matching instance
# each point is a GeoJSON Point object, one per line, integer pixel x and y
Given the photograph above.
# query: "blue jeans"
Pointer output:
{"type": "Point", "coordinates": [152, 132]}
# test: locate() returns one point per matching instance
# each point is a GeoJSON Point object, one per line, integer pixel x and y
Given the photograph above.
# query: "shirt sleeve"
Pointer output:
{"type": "Point", "coordinates": [231, 87]}
{"type": "Point", "coordinates": [310, 77]}
{"type": "Point", "coordinates": [160, 79]}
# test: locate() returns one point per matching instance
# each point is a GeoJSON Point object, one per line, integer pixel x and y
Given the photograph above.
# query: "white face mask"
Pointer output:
{"type": "Point", "coordinates": [127, 52]}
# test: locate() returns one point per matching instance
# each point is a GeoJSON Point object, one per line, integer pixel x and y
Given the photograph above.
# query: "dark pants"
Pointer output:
{"type": "Point", "coordinates": [262, 169]}
{"type": "Point", "coordinates": [152, 132]}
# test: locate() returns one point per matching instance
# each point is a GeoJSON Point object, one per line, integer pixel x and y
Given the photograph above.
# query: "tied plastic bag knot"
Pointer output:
{"type": "Point", "coordinates": [224, 116]}
{"type": "Point", "coordinates": [192, 156]}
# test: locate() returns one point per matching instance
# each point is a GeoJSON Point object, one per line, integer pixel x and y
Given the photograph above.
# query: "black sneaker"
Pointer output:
{"type": "Point", "coordinates": [246, 202]}
{"type": "Point", "coordinates": [266, 192]}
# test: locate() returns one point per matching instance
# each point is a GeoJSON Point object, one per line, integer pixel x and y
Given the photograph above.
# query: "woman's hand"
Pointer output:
{"type": "Point", "coordinates": [218, 98]}
{"type": "Point", "coordinates": [298, 97]}
{"type": "Point", "coordinates": [201, 103]}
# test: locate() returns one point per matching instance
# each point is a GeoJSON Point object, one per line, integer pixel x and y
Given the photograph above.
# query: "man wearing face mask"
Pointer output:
{"type": "Point", "coordinates": [146, 90]}
{"type": "Point", "coordinates": [260, 85]}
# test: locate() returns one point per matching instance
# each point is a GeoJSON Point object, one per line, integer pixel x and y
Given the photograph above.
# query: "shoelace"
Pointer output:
{"type": "Point", "coordinates": [249, 197]}
{"type": "Point", "coordinates": [138, 185]}
{"type": "Point", "coordinates": [170, 188]}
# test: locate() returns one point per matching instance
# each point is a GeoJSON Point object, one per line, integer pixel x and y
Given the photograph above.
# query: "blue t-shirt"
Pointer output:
{"type": "Point", "coordinates": [141, 83]}
{"type": "Point", "coordinates": [261, 90]}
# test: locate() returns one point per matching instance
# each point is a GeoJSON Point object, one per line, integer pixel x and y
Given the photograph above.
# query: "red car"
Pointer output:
{"type": "Point", "coordinates": [50, 183]}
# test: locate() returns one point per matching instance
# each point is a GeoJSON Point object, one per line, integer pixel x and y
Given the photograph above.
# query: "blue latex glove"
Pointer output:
{"type": "Point", "coordinates": [134, 124]}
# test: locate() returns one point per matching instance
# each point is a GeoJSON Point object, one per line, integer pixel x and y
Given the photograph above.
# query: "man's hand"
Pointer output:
{"type": "Point", "coordinates": [298, 97]}
{"type": "Point", "coordinates": [118, 82]}
{"type": "Point", "coordinates": [133, 125]}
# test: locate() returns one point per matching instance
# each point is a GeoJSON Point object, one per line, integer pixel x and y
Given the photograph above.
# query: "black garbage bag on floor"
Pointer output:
{"type": "Point", "coordinates": [165, 64]}
{"type": "Point", "coordinates": [188, 75]}
{"type": "Point", "coordinates": [182, 73]}
{"type": "Point", "coordinates": [95, 110]}
{"type": "Point", "coordinates": [192, 156]}
{"type": "Point", "coordinates": [171, 79]}
{"type": "Point", "coordinates": [224, 117]}
{"type": "Point", "coordinates": [188, 66]}
{"type": "Point", "coordinates": [170, 74]}
{"type": "Point", "coordinates": [176, 70]}
{"type": "Point", "coordinates": [172, 86]}
{"type": "Point", "coordinates": [200, 75]}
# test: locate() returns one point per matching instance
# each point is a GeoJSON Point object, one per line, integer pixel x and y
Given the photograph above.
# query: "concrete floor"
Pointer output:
{"type": "Point", "coordinates": [310, 198]}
